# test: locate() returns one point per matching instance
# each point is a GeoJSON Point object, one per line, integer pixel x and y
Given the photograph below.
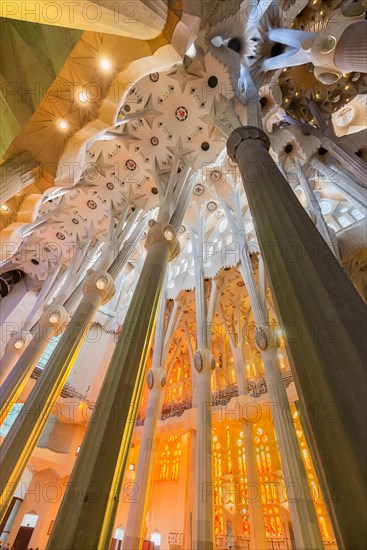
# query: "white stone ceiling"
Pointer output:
{"type": "Point", "coordinates": [161, 112]}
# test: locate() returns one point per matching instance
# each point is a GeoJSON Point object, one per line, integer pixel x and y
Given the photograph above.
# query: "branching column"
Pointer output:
{"type": "Point", "coordinates": [156, 381]}
{"type": "Point", "coordinates": [203, 533]}
{"type": "Point", "coordinates": [324, 318]}
{"type": "Point", "coordinates": [256, 513]}
{"type": "Point", "coordinates": [97, 477]}
{"type": "Point", "coordinates": [304, 519]}
{"type": "Point", "coordinates": [51, 324]}
{"type": "Point", "coordinates": [315, 210]}
{"type": "Point", "coordinates": [257, 524]}
{"type": "Point", "coordinates": [15, 174]}
{"type": "Point", "coordinates": [22, 438]}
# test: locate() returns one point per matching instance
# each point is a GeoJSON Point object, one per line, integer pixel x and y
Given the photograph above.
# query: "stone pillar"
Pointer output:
{"type": "Point", "coordinates": [302, 510]}
{"type": "Point", "coordinates": [51, 324]}
{"type": "Point", "coordinates": [189, 505]}
{"type": "Point", "coordinates": [15, 346]}
{"type": "Point", "coordinates": [22, 438]}
{"type": "Point", "coordinates": [323, 318]}
{"type": "Point", "coordinates": [136, 517]}
{"type": "Point", "coordinates": [256, 515]}
{"type": "Point", "coordinates": [9, 520]}
{"type": "Point", "coordinates": [15, 174]}
{"type": "Point", "coordinates": [350, 52]}
{"type": "Point", "coordinates": [96, 480]}
{"type": "Point", "coordinates": [203, 538]}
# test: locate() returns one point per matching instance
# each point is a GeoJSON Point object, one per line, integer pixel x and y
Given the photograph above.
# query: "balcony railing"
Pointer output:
{"type": "Point", "coordinates": [219, 397]}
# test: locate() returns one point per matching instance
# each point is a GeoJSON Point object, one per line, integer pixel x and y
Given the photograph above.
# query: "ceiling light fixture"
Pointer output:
{"type": "Point", "coordinates": [105, 64]}
{"type": "Point", "coordinates": [63, 125]}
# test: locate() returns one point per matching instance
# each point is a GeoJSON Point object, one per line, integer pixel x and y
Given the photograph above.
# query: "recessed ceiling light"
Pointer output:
{"type": "Point", "coordinates": [105, 64]}
{"type": "Point", "coordinates": [82, 96]}
{"type": "Point", "coordinates": [4, 207]}
{"type": "Point", "coordinates": [63, 125]}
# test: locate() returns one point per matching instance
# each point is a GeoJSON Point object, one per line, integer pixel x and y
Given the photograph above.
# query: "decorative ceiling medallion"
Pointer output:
{"type": "Point", "coordinates": [92, 205]}
{"type": "Point", "coordinates": [182, 229]}
{"type": "Point", "coordinates": [154, 77]}
{"type": "Point", "coordinates": [60, 236]}
{"type": "Point", "coordinates": [154, 141]}
{"type": "Point", "coordinates": [240, 283]}
{"type": "Point", "coordinates": [150, 379]}
{"type": "Point", "coordinates": [216, 175]}
{"type": "Point", "coordinates": [211, 206]}
{"type": "Point", "coordinates": [181, 113]}
{"type": "Point", "coordinates": [219, 213]}
{"type": "Point", "coordinates": [75, 220]}
{"type": "Point", "coordinates": [130, 165]}
{"type": "Point", "coordinates": [199, 189]}
{"type": "Point", "coordinates": [110, 186]}
{"type": "Point", "coordinates": [198, 361]}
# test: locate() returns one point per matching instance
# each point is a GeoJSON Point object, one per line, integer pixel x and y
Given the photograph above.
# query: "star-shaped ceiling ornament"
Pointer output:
{"type": "Point", "coordinates": [94, 168]}
{"type": "Point", "coordinates": [182, 75]}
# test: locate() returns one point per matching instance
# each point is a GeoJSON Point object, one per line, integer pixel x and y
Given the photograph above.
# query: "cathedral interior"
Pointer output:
{"type": "Point", "coordinates": [183, 275]}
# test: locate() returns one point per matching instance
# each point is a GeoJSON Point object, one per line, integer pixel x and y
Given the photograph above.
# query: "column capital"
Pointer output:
{"type": "Point", "coordinates": [18, 342]}
{"type": "Point", "coordinates": [163, 233]}
{"type": "Point", "coordinates": [101, 283]}
{"type": "Point", "coordinates": [55, 317]}
{"type": "Point", "coordinates": [241, 134]}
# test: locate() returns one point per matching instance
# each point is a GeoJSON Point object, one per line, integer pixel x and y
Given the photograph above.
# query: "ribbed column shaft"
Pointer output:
{"type": "Point", "coordinates": [341, 181]}
{"type": "Point", "coordinates": [304, 520]}
{"type": "Point", "coordinates": [19, 374]}
{"type": "Point", "coordinates": [15, 174]}
{"type": "Point", "coordinates": [324, 320]}
{"type": "Point", "coordinates": [351, 50]}
{"type": "Point", "coordinates": [22, 438]}
{"type": "Point", "coordinates": [96, 480]}
{"type": "Point", "coordinates": [136, 517]}
{"type": "Point", "coordinates": [203, 534]}
{"type": "Point", "coordinates": [257, 525]}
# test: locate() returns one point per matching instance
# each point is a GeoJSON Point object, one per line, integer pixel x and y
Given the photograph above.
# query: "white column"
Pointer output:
{"type": "Point", "coordinates": [256, 514]}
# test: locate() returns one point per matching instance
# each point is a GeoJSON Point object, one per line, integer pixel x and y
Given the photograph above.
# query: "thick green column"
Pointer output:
{"type": "Point", "coordinates": [324, 321]}
{"type": "Point", "coordinates": [87, 512]}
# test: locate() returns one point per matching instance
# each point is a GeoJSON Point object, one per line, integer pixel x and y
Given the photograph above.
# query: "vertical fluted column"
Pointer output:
{"type": "Point", "coordinates": [96, 481]}
{"type": "Point", "coordinates": [51, 324]}
{"type": "Point", "coordinates": [344, 183]}
{"type": "Point", "coordinates": [190, 492]}
{"type": "Point", "coordinates": [324, 320]}
{"type": "Point", "coordinates": [257, 525]}
{"type": "Point", "coordinates": [315, 210]}
{"type": "Point", "coordinates": [15, 174]}
{"type": "Point", "coordinates": [350, 52]}
{"type": "Point", "coordinates": [203, 538]}
{"type": "Point", "coordinates": [136, 517]}
{"type": "Point", "coordinates": [22, 438]}
{"type": "Point", "coordinates": [306, 527]}
{"type": "Point", "coordinates": [156, 381]}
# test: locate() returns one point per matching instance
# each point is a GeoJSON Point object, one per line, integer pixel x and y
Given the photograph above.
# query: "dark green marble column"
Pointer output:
{"type": "Point", "coordinates": [324, 321]}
